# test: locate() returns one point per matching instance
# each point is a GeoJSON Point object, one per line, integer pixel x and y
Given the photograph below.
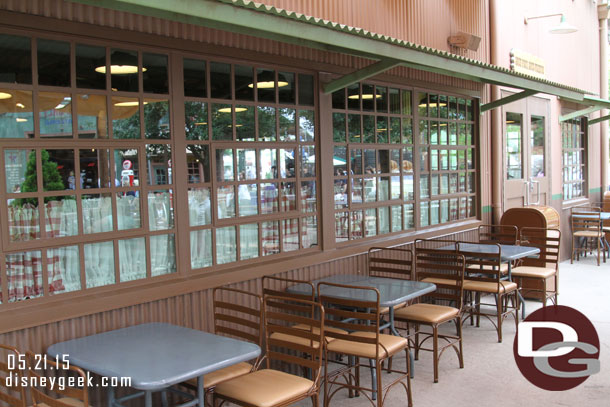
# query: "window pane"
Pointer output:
{"type": "Point", "coordinates": [60, 215]}
{"type": "Point", "coordinates": [20, 171]}
{"type": "Point", "coordinates": [341, 226]}
{"type": "Point", "coordinates": [160, 210]}
{"type": "Point", "coordinates": [248, 241]}
{"type": "Point", "coordinates": [355, 132]}
{"type": "Point", "coordinates": [23, 219]}
{"type": "Point", "coordinates": [16, 113]}
{"type": "Point", "coordinates": [266, 123]}
{"type": "Point", "coordinates": [53, 63]}
{"type": "Point", "coordinates": [24, 275]}
{"type": "Point", "coordinates": [370, 222]}
{"type": "Point", "coordinates": [201, 248]}
{"type": "Point", "coordinates": [514, 146]}
{"type": "Point", "coordinates": [340, 161]}
{"type": "Point", "coordinates": [156, 118]}
{"type": "Point", "coordinates": [244, 123]}
{"type": "Point", "coordinates": [424, 216]}
{"type": "Point", "coordinates": [309, 232]}
{"type": "Point", "coordinates": [126, 168]}
{"type": "Point", "coordinates": [287, 163]}
{"type": "Point", "coordinates": [248, 199]}
{"type": "Point", "coordinates": [339, 128]}
{"type": "Point", "coordinates": [99, 264]}
{"type": "Point", "coordinates": [339, 99]}
{"type": "Point", "coordinates": [128, 210]}
{"type": "Point", "coordinates": [220, 80]}
{"type": "Point", "coordinates": [244, 82]}
{"type": "Point", "coordinates": [224, 165]}
{"type": "Point", "coordinates": [268, 163]}
{"type": "Point", "coordinates": [269, 198]}
{"type": "Point", "coordinates": [307, 129]}
{"type": "Point", "coordinates": [308, 196]}
{"type": "Point", "coordinates": [125, 118]}
{"type": "Point", "coordinates": [288, 198]}
{"type": "Point", "coordinates": [155, 73]}
{"type": "Point", "coordinates": [55, 114]}
{"type": "Point", "coordinates": [384, 186]}
{"type": "Point", "coordinates": [226, 201]}
{"type": "Point", "coordinates": [407, 131]}
{"type": "Point", "coordinates": [198, 163]}
{"type": "Point", "coordinates": [97, 213]}
{"type": "Point", "coordinates": [226, 245]}
{"type": "Point", "coordinates": [287, 88]}
{"type": "Point", "coordinates": [382, 129]}
{"type": "Point", "coordinates": [290, 233]}
{"type": "Point", "coordinates": [270, 238]}
{"type": "Point", "coordinates": [409, 216]}
{"type": "Point", "coordinates": [63, 270]}
{"type": "Point", "coordinates": [265, 83]}
{"type": "Point", "coordinates": [287, 124]}
{"type": "Point", "coordinates": [132, 259]}
{"type": "Point", "coordinates": [194, 78]}
{"type": "Point", "coordinates": [396, 218]}
{"type": "Point", "coordinates": [368, 129]}
{"type": "Point", "coordinates": [422, 101]}
{"type": "Point", "coordinates": [125, 64]}
{"type": "Point", "coordinates": [537, 146]}
{"type": "Point", "coordinates": [88, 59]}
{"type": "Point", "coordinates": [306, 91]}
{"type": "Point", "coordinates": [368, 97]}
{"type": "Point", "coordinates": [384, 220]}
{"type": "Point", "coordinates": [382, 99]}
{"type": "Point", "coordinates": [196, 120]}
{"type": "Point", "coordinates": [434, 212]}
{"type": "Point", "coordinates": [356, 225]}
{"type": "Point", "coordinates": [353, 96]}
{"type": "Point", "coordinates": [308, 161]}
{"type": "Point", "coordinates": [92, 117]}
{"type": "Point", "coordinates": [199, 206]}
{"type": "Point", "coordinates": [159, 161]}
{"type": "Point", "coordinates": [370, 189]}
{"type": "Point", "coordinates": [17, 68]}
{"type": "Point", "coordinates": [394, 130]}
{"type": "Point", "coordinates": [356, 189]}
{"type": "Point", "coordinates": [406, 102]}
{"type": "Point", "coordinates": [162, 255]}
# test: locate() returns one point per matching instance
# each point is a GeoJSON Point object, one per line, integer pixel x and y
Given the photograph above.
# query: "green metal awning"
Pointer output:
{"type": "Point", "coordinates": [258, 20]}
{"type": "Point", "coordinates": [594, 104]}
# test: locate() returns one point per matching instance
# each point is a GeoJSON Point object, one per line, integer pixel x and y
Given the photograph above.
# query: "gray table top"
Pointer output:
{"type": "Point", "coordinates": [602, 216]}
{"type": "Point", "coordinates": [509, 252]}
{"type": "Point", "coordinates": [155, 355]}
{"type": "Point", "coordinates": [391, 291]}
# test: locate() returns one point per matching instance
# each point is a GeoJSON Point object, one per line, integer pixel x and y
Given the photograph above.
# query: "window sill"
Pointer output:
{"type": "Point", "coordinates": [567, 205]}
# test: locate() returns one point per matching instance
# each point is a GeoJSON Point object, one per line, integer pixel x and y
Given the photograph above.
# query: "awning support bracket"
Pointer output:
{"type": "Point", "coordinates": [359, 75]}
{"type": "Point", "coordinates": [506, 100]}
{"type": "Point", "coordinates": [599, 120]}
{"type": "Point", "coordinates": [578, 113]}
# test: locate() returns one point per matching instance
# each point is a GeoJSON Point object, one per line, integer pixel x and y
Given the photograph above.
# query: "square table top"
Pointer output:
{"type": "Point", "coordinates": [592, 216]}
{"type": "Point", "coordinates": [392, 291]}
{"type": "Point", "coordinates": [155, 355]}
{"type": "Point", "coordinates": [509, 252]}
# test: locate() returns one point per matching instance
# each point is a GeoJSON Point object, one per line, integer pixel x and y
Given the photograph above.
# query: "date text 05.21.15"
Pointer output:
{"type": "Point", "coordinates": [37, 362]}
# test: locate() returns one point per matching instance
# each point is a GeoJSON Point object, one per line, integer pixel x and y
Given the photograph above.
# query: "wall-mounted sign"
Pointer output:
{"type": "Point", "coordinates": [528, 64]}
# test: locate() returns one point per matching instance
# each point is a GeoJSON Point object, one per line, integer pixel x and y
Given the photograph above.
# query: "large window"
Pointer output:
{"type": "Point", "coordinates": [574, 165]}
{"type": "Point", "coordinates": [385, 179]}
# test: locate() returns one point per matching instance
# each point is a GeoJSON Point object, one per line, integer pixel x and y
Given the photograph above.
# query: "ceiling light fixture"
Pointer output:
{"type": "Point", "coordinates": [365, 96]}
{"type": "Point", "coordinates": [562, 28]}
{"type": "Point", "coordinates": [20, 105]}
{"type": "Point", "coordinates": [266, 80]}
{"type": "Point", "coordinates": [131, 103]}
{"type": "Point", "coordinates": [201, 123]}
{"type": "Point", "coordinates": [121, 63]}
{"type": "Point", "coordinates": [228, 109]}
{"type": "Point", "coordinates": [4, 95]}
{"type": "Point", "coordinates": [21, 119]}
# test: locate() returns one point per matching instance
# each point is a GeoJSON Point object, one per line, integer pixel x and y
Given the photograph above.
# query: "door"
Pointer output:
{"type": "Point", "coordinates": [526, 145]}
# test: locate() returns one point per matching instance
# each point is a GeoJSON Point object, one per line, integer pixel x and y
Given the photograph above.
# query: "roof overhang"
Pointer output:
{"type": "Point", "coordinates": [593, 104]}
{"type": "Point", "coordinates": [258, 20]}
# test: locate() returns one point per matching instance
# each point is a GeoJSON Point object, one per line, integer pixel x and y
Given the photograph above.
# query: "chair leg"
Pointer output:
{"type": "Point", "coordinates": [378, 369]}
{"type": "Point", "coordinates": [314, 400]}
{"type": "Point", "coordinates": [416, 344]}
{"type": "Point", "coordinates": [499, 311]}
{"type": "Point", "coordinates": [409, 373]}
{"type": "Point", "coordinates": [461, 355]}
{"type": "Point", "coordinates": [326, 379]}
{"type": "Point", "coordinates": [435, 351]}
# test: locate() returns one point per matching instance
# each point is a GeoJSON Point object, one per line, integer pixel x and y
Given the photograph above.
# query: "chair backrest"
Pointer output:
{"type": "Point", "coordinates": [12, 367]}
{"type": "Point", "coordinates": [586, 218]}
{"type": "Point", "coordinates": [352, 309]}
{"type": "Point", "coordinates": [433, 244]}
{"type": "Point", "coordinates": [278, 286]}
{"type": "Point", "coordinates": [549, 243]}
{"type": "Point", "coordinates": [482, 266]}
{"type": "Point", "coordinates": [40, 389]}
{"type": "Point", "coordinates": [239, 321]}
{"type": "Point", "coordinates": [280, 322]}
{"type": "Point", "coordinates": [391, 262]}
{"type": "Point", "coordinates": [502, 234]}
{"type": "Point", "coordinates": [447, 269]}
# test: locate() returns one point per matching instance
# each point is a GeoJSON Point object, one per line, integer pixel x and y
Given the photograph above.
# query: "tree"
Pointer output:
{"type": "Point", "coordinates": [51, 178]}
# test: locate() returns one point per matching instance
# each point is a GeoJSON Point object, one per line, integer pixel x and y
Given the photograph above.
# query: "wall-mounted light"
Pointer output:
{"type": "Point", "coordinates": [562, 28]}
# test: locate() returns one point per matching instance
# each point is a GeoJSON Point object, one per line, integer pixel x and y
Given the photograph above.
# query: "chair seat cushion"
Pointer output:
{"type": "Point", "coordinates": [490, 287]}
{"type": "Point", "coordinates": [264, 388]}
{"type": "Point", "coordinates": [221, 375]}
{"type": "Point", "coordinates": [587, 233]}
{"type": "Point", "coordinates": [69, 401]}
{"type": "Point", "coordinates": [387, 343]}
{"type": "Point", "coordinates": [488, 267]}
{"type": "Point", "coordinates": [427, 313]}
{"type": "Point", "coordinates": [294, 339]}
{"type": "Point", "coordinates": [328, 331]}
{"type": "Point", "coordinates": [533, 272]}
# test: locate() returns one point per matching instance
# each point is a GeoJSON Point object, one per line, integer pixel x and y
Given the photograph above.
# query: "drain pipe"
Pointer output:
{"type": "Point", "coordinates": [497, 170]}
{"type": "Point", "coordinates": [602, 15]}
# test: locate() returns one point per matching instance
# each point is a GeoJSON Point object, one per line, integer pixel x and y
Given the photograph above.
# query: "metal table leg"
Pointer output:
{"type": "Point", "coordinates": [395, 333]}
{"type": "Point", "coordinates": [148, 399]}
{"type": "Point", "coordinates": [200, 392]}
{"type": "Point", "coordinates": [521, 300]}
{"type": "Point", "coordinates": [110, 393]}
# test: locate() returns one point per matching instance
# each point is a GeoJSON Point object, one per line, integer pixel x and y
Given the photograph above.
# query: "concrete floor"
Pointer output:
{"type": "Point", "coordinates": [490, 376]}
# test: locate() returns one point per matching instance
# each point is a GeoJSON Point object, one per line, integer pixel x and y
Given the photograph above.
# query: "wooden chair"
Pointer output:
{"type": "Point", "coordinates": [484, 278]}
{"type": "Point", "coordinates": [237, 321]}
{"type": "Point", "coordinates": [499, 234]}
{"type": "Point", "coordinates": [68, 396]}
{"type": "Point", "coordinates": [269, 387]}
{"type": "Point", "coordinates": [11, 393]}
{"type": "Point", "coordinates": [587, 227]}
{"type": "Point", "coordinates": [442, 306]}
{"type": "Point", "coordinates": [390, 263]}
{"type": "Point", "coordinates": [544, 267]}
{"type": "Point", "coordinates": [360, 317]}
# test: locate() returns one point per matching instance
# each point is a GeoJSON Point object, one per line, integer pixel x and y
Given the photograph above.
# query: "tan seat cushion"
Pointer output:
{"type": "Point", "coordinates": [487, 267]}
{"type": "Point", "coordinates": [387, 343]}
{"type": "Point", "coordinates": [587, 233]}
{"type": "Point", "coordinates": [69, 401]}
{"type": "Point", "coordinates": [221, 375]}
{"type": "Point", "coordinates": [295, 339]}
{"type": "Point", "coordinates": [533, 272]}
{"type": "Point", "coordinates": [427, 313]}
{"type": "Point", "coordinates": [490, 287]}
{"type": "Point", "coordinates": [264, 388]}
{"type": "Point", "coordinates": [438, 281]}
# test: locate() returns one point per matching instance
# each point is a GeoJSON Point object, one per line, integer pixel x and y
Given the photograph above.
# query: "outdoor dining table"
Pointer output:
{"type": "Point", "coordinates": [154, 356]}
{"type": "Point", "coordinates": [508, 254]}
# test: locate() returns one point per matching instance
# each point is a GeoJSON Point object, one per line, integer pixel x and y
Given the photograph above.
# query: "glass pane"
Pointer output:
{"type": "Point", "coordinates": [23, 219]}
{"type": "Point", "coordinates": [248, 199]}
{"type": "Point", "coordinates": [309, 232]}
{"type": "Point", "coordinates": [514, 146]}
{"type": "Point", "coordinates": [201, 248]}
{"type": "Point", "coordinates": [53, 63]}
{"type": "Point", "coordinates": [452, 107]}
{"type": "Point", "coordinates": [307, 128]}
{"type": "Point", "coordinates": [160, 210]}
{"type": "Point", "coordinates": [339, 128]}
{"type": "Point", "coordinates": [461, 109]}
{"type": "Point", "coordinates": [356, 189]}
{"type": "Point", "coordinates": [422, 101]}
{"type": "Point", "coordinates": [433, 132]}
{"type": "Point", "coordinates": [443, 106]}
{"type": "Point", "coordinates": [308, 196]}
{"type": "Point", "coordinates": [63, 270]}
{"type": "Point", "coordinates": [270, 238]}
{"type": "Point", "coordinates": [268, 163]}
{"type": "Point", "coordinates": [245, 129]}
{"type": "Point", "coordinates": [224, 165]}
{"type": "Point", "coordinates": [368, 129]}
{"type": "Point", "coordinates": [154, 68]}
{"type": "Point", "coordinates": [246, 164]}
{"type": "Point", "coordinates": [226, 201]}
{"type": "Point", "coordinates": [20, 171]}
{"type": "Point", "coordinates": [92, 117]}
{"type": "Point", "coordinates": [226, 245]}
{"type": "Point", "coordinates": [126, 168]}
{"type": "Point", "coordinates": [382, 129]}
{"type": "Point", "coordinates": [340, 193]}
{"type": "Point", "coordinates": [199, 206]}
{"type": "Point", "coordinates": [355, 132]}
{"type": "Point", "coordinates": [424, 188]}
{"type": "Point", "coordinates": [434, 187]}
{"type": "Point", "coordinates": [132, 259]}
{"type": "Point", "coordinates": [60, 216]}
{"type": "Point", "coordinates": [444, 211]}
{"type": "Point", "coordinates": [396, 218]}
{"type": "Point", "coordinates": [308, 161]}
{"type": "Point", "coordinates": [244, 82]}
{"type": "Point", "coordinates": [370, 222]}
{"type": "Point", "coordinates": [287, 88]}
{"type": "Point", "coordinates": [444, 159]}
{"type": "Point", "coordinates": [124, 70]}
{"type": "Point", "coordinates": [306, 91]}
{"type": "Point", "coordinates": [368, 97]}
{"type": "Point", "coordinates": [198, 163]}
{"type": "Point", "coordinates": [356, 163]}
{"type": "Point", "coordinates": [222, 122]}
{"type": "Point", "coordinates": [353, 97]}
{"type": "Point", "coordinates": [99, 264]}
{"type": "Point", "coordinates": [433, 106]}
{"type": "Point", "coordinates": [196, 120]}
{"type": "Point", "coordinates": [162, 255]}
{"type": "Point", "coordinates": [394, 130]}
{"type": "Point", "coordinates": [266, 123]}
{"type": "Point", "coordinates": [407, 131]}
{"type": "Point", "coordinates": [16, 113]}
{"type": "Point", "coordinates": [471, 182]}
{"type": "Point", "coordinates": [17, 68]}
{"type": "Point", "coordinates": [341, 226]}
{"type": "Point", "coordinates": [453, 183]}
{"type": "Point", "coordinates": [370, 161]}
{"type": "Point", "coordinates": [194, 78]}
{"type": "Point", "coordinates": [55, 114]}
{"type": "Point", "coordinates": [125, 118]}
{"type": "Point", "coordinates": [424, 215]}
{"type": "Point", "coordinates": [424, 164]}
{"type": "Point", "coordinates": [444, 188]}
{"type": "Point", "coordinates": [88, 59]}
{"type": "Point", "coordinates": [395, 188]}
{"type": "Point", "coordinates": [156, 118]}
{"type": "Point", "coordinates": [265, 83]}
{"type": "Point", "coordinates": [288, 198]}
{"type": "Point", "coordinates": [453, 165]}
{"type": "Point", "coordinates": [537, 146]}
{"type": "Point", "coordinates": [290, 235]}
{"type": "Point", "coordinates": [356, 225]}
{"type": "Point", "coordinates": [287, 124]}
{"type": "Point", "coordinates": [248, 241]}
{"type": "Point", "coordinates": [339, 99]}
{"type": "Point", "coordinates": [434, 160]}
{"type": "Point", "coordinates": [434, 212]}
{"type": "Point", "coordinates": [269, 198]}
{"type": "Point", "coordinates": [409, 216]}
{"type": "Point", "coordinates": [97, 213]}
{"type": "Point", "coordinates": [24, 275]}
{"type": "Point", "coordinates": [424, 135]}
{"type": "Point", "coordinates": [220, 80]}
{"type": "Point", "coordinates": [394, 101]}
{"type": "Point", "coordinates": [340, 161]}
{"type": "Point", "coordinates": [370, 189]}
{"type": "Point", "coordinates": [382, 99]}
{"type": "Point", "coordinates": [384, 220]}
{"type": "Point", "coordinates": [384, 186]}
{"type": "Point", "coordinates": [159, 164]}
{"type": "Point", "coordinates": [128, 210]}
{"type": "Point", "coordinates": [406, 102]}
